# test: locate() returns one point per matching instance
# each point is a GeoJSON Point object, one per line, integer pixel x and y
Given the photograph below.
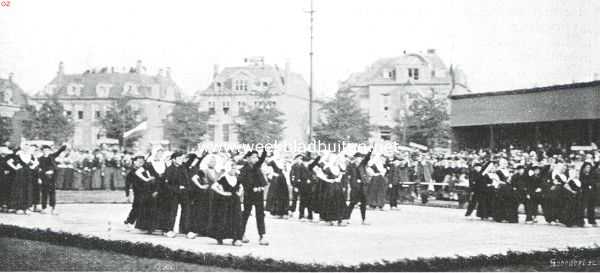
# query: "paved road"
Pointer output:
{"type": "Point", "coordinates": [411, 232]}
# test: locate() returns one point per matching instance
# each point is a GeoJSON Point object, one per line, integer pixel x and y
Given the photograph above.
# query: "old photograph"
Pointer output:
{"type": "Point", "coordinates": [299, 135]}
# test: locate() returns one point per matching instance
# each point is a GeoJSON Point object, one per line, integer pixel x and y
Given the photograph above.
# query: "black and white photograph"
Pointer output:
{"type": "Point", "coordinates": [299, 135]}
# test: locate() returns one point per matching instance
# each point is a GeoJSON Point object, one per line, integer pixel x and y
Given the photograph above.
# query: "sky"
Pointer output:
{"type": "Point", "coordinates": [500, 45]}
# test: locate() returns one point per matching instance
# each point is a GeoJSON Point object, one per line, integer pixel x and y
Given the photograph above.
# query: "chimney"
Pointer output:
{"type": "Point", "coordinates": [10, 77]}
{"type": "Point", "coordinates": [60, 73]}
{"type": "Point", "coordinates": [431, 51]}
{"type": "Point", "coordinates": [138, 67]}
{"type": "Point", "coordinates": [215, 71]}
{"type": "Point", "coordinates": [61, 68]}
{"type": "Point", "coordinates": [168, 72]}
{"type": "Point", "coordinates": [287, 71]}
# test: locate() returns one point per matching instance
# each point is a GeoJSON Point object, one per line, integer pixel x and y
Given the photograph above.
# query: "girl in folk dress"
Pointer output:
{"type": "Point", "coordinates": [225, 214]}
{"type": "Point", "coordinates": [278, 196]}
{"type": "Point", "coordinates": [376, 189]}
{"type": "Point", "coordinates": [334, 201]}
{"type": "Point", "coordinates": [21, 195]}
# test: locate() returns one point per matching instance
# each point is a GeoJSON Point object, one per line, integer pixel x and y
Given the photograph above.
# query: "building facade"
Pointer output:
{"type": "Point", "coordinates": [12, 102]}
{"type": "Point", "coordinates": [559, 115]}
{"type": "Point", "coordinates": [236, 89]}
{"type": "Point", "coordinates": [89, 95]}
{"type": "Point", "coordinates": [386, 89]}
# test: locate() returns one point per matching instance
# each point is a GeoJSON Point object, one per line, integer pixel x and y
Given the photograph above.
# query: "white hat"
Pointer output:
{"type": "Point", "coordinates": [5, 150]}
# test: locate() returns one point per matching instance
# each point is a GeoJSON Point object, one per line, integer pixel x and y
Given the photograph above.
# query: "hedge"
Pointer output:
{"type": "Point", "coordinates": [538, 259]}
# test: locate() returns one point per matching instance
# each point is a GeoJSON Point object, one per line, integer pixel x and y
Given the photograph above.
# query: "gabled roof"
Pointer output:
{"type": "Point", "coordinates": [18, 96]}
{"type": "Point", "coordinates": [255, 75]}
{"type": "Point", "coordinates": [89, 82]}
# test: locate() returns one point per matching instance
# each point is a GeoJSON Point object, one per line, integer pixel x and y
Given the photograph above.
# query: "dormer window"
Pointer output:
{"type": "Point", "coordinates": [240, 85]}
{"type": "Point", "coordinates": [73, 90]}
{"type": "Point", "coordinates": [218, 86]}
{"type": "Point", "coordinates": [130, 89]}
{"type": "Point", "coordinates": [102, 90]}
{"type": "Point", "coordinates": [7, 98]}
{"type": "Point", "coordinates": [413, 73]}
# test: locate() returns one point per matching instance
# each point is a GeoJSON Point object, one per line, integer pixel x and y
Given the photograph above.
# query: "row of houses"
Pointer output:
{"type": "Point", "coordinates": [383, 90]}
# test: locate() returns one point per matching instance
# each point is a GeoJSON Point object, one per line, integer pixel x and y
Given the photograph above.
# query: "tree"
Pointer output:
{"type": "Point", "coordinates": [6, 129]}
{"type": "Point", "coordinates": [342, 121]}
{"type": "Point", "coordinates": [186, 125]}
{"type": "Point", "coordinates": [120, 119]}
{"type": "Point", "coordinates": [427, 121]}
{"type": "Point", "coordinates": [260, 124]}
{"type": "Point", "coordinates": [48, 123]}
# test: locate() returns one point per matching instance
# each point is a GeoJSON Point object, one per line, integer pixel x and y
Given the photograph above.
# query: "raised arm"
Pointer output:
{"type": "Point", "coordinates": [60, 150]}
{"type": "Point", "coordinates": [262, 158]}
{"type": "Point", "coordinates": [366, 159]}
{"type": "Point", "coordinates": [314, 163]}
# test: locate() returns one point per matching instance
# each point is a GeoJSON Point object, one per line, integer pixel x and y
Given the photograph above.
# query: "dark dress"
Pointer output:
{"type": "Point", "coordinates": [146, 202]}
{"type": "Point", "coordinates": [334, 201]}
{"type": "Point", "coordinates": [200, 202]}
{"type": "Point", "coordinates": [278, 196]}
{"type": "Point", "coordinates": [225, 214]}
{"type": "Point", "coordinates": [572, 210]}
{"type": "Point", "coordinates": [21, 194]}
{"type": "Point", "coordinates": [376, 189]}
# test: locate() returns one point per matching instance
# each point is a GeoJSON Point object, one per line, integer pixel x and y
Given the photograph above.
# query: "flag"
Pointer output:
{"type": "Point", "coordinates": [137, 129]}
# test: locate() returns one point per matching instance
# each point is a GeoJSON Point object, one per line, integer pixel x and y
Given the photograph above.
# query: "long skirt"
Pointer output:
{"type": "Point", "coordinates": [119, 180]}
{"type": "Point", "coordinates": [552, 204]}
{"type": "Point", "coordinates": [376, 190]}
{"type": "Point", "coordinates": [60, 178]}
{"type": "Point", "coordinates": [334, 203]}
{"type": "Point", "coordinates": [21, 193]}
{"type": "Point", "coordinates": [572, 212]}
{"type": "Point", "coordinates": [68, 178]}
{"type": "Point", "coordinates": [147, 213]}
{"type": "Point", "coordinates": [4, 188]}
{"type": "Point", "coordinates": [109, 178]}
{"type": "Point", "coordinates": [200, 205]}
{"type": "Point", "coordinates": [97, 180]}
{"type": "Point", "coordinates": [225, 218]}
{"type": "Point", "coordinates": [77, 181]}
{"type": "Point", "coordinates": [86, 180]}
{"type": "Point", "coordinates": [316, 196]}
{"type": "Point", "coordinates": [278, 197]}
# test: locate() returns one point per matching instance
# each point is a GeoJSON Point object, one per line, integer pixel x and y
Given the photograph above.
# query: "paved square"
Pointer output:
{"type": "Point", "coordinates": [411, 232]}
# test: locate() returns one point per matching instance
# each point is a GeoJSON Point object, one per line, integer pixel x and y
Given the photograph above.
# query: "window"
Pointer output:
{"type": "Point", "coordinates": [240, 85]}
{"type": "Point", "coordinates": [242, 106]}
{"type": "Point", "coordinates": [392, 74]}
{"type": "Point", "coordinates": [433, 73]}
{"type": "Point", "coordinates": [226, 132]}
{"type": "Point", "coordinates": [226, 107]}
{"type": "Point", "coordinates": [80, 114]}
{"type": "Point", "coordinates": [265, 84]}
{"type": "Point", "coordinates": [69, 113]}
{"type": "Point", "coordinates": [98, 114]}
{"type": "Point", "coordinates": [413, 73]}
{"type": "Point", "coordinates": [211, 132]}
{"type": "Point", "coordinates": [211, 108]}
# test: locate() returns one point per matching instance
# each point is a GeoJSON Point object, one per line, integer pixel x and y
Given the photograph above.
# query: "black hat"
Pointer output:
{"type": "Point", "coordinates": [298, 156]}
{"type": "Point", "coordinates": [357, 154]}
{"type": "Point", "coordinates": [176, 155]}
{"type": "Point", "coordinates": [44, 147]}
{"type": "Point", "coordinates": [250, 153]}
{"type": "Point", "coordinates": [519, 167]}
{"type": "Point", "coordinates": [477, 164]}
